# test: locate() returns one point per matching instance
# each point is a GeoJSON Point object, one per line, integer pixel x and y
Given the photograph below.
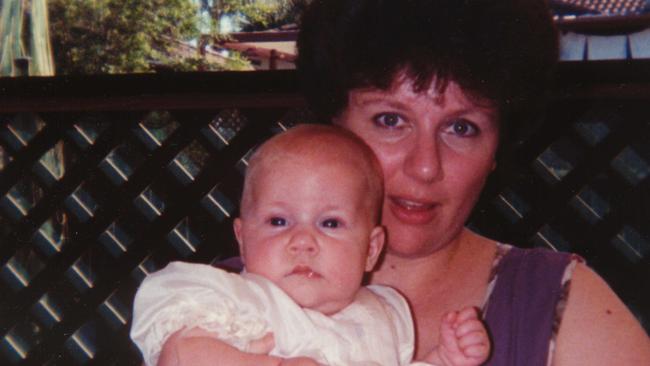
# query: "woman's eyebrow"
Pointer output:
{"type": "Point", "coordinates": [379, 99]}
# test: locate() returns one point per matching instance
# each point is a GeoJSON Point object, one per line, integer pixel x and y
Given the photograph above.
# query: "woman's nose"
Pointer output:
{"type": "Point", "coordinates": [303, 241]}
{"type": "Point", "coordinates": [422, 162]}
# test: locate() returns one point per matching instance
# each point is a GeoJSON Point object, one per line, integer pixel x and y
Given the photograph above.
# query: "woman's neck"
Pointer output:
{"type": "Point", "coordinates": [411, 273]}
{"type": "Point", "coordinates": [449, 279]}
{"type": "Point", "coordinates": [438, 271]}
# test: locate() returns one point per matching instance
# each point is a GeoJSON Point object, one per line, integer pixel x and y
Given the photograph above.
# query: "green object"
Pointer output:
{"type": "Point", "coordinates": [25, 47]}
{"type": "Point", "coordinates": [121, 36]}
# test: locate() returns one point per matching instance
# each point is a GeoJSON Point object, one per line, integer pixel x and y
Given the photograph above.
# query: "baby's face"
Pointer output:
{"type": "Point", "coordinates": [309, 229]}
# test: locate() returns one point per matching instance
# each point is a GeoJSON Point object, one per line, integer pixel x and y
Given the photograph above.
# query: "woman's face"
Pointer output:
{"type": "Point", "coordinates": [436, 151]}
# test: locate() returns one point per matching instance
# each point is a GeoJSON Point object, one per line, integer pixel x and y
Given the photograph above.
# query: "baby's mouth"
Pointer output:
{"type": "Point", "coordinates": [306, 271]}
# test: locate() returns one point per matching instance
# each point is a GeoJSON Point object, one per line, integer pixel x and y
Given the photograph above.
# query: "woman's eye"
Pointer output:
{"type": "Point", "coordinates": [277, 221]}
{"type": "Point", "coordinates": [331, 223]}
{"type": "Point", "coordinates": [389, 120]}
{"type": "Point", "coordinates": [463, 128]}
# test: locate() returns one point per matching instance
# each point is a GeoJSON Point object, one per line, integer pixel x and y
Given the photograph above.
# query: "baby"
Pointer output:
{"type": "Point", "coordinates": [308, 232]}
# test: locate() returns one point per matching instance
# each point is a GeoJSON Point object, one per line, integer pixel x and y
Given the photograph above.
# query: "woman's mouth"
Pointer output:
{"type": "Point", "coordinates": [412, 212]}
{"type": "Point", "coordinates": [305, 271]}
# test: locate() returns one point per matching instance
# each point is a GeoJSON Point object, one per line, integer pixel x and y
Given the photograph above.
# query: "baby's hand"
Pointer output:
{"type": "Point", "coordinates": [463, 340]}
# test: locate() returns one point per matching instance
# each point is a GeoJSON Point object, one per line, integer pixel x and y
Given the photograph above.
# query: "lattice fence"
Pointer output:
{"type": "Point", "coordinates": [98, 190]}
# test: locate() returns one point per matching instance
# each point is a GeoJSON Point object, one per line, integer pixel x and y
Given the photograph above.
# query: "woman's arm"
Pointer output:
{"type": "Point", "coordinates": [597, 328]}
{"type": "Point", "coordinates": [197, 347]}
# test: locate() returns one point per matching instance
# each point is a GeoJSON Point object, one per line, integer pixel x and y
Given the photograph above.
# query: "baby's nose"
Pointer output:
{"type": "Point", "coordinates": [303, 241]}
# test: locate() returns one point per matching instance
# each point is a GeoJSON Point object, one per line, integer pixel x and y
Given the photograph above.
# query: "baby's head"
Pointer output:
{"type": "Point", "coordinates": [310, 215]}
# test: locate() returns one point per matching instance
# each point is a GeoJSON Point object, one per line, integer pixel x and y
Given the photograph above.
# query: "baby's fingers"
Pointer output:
{"type": "Point", "coordinates": [475, 345]}
{"type": "Point", "coordinates": [470, 326]}
{"type": "Point", "coordinates": [472, 339]}
{"type": "Point", "coordinates": [466, 314]}
{"type": "Point", "coordinates": [478, 351]}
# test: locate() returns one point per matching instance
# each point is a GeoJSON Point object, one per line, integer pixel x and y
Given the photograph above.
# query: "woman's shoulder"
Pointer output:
{"type": "Point", "coordinates": [538, 277]}
{"type": "Point", "coordinates": [597, 327]}
{"type": "Point", "coordinates": [527, 290]}
{"type": "Point", "coordinates": [536, 263]}
{"type": "Point", "coordinates": [557, 294]}
{"type": "Point", "coordinates": [530, 270]}
{"type": "Point", "coordinates": [523, 256]}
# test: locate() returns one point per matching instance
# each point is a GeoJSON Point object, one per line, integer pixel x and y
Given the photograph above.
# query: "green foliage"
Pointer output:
{"type": "Point", "coordinates": [126, 36]}
{"type": "Point", "coordinates": [286, 12]}
{"type": "Point", "coordinates": [237, 62]}
{"type": "Point", "coordinates": [116, 36]}
{"type": "Point", "coordinates": [260, 14]}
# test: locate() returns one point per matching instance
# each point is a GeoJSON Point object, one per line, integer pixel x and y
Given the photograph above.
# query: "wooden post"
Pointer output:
{"type": "Point", "coordinates": [21, 66]}
{"type": "Point", "coordinates": [273, 60]}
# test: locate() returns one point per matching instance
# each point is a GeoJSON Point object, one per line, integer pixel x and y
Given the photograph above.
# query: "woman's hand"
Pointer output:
{"type": "Point", "coordinates": [197, 347]}
{"type": "Point", "coordinates": [299, 361]}
{"type": "Point", "coordinates": [263, 345]}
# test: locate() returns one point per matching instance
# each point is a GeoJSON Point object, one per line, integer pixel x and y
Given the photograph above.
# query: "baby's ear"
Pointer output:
{"type": "Point", "coordinates": [237, 227]}
{"type": "Point", "coordinates": [375, 246]}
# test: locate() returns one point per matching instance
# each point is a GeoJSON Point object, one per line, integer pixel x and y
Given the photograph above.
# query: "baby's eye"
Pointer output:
{"type": "Point", "coordinates": [277, 221]}
{"type": "Point", "coordinates": [463, 128]}
{"type": "Point", "coordinates": [331, 223]}
{"type": "Point", "coordinates": [388, 120]}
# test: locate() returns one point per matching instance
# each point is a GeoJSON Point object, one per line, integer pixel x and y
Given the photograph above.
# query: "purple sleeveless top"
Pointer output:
{"type": "Point", "coordinates": [524, 307]}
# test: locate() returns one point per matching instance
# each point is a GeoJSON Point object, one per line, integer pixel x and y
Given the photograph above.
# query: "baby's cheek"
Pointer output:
{"type": "Point", "coordinates": [349, 278]}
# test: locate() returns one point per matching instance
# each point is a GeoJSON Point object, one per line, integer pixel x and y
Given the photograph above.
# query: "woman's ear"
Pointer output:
{"type": "Point", "coordinates": [237, 227]}
{"type": "Point", "coordinates": [375, 246]}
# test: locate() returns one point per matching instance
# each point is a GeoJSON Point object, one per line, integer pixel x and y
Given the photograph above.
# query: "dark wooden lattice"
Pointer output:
{"type": "Point", "coordinates": [104, 179]}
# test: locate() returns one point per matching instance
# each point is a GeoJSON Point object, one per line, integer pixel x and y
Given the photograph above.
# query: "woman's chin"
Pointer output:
{"type": "Point", "coordinates": [406, 238]}
{"type": "Point", "coordinates": [410, 247]}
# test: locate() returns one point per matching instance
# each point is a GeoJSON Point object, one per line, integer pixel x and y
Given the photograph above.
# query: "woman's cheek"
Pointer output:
{"type": "Point", "coordinates": [476, 148]}
{"type": "Point", "coordinates": [459, 144]}
{"type": "Point", "coordinates": [389, 158]}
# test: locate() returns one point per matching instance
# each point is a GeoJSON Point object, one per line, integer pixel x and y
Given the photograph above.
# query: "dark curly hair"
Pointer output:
{"type": "Point", "coordinates": [500, 50]}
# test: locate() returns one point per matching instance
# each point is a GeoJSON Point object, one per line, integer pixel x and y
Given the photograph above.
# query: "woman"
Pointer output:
{"type": "Point", "coordinates": [433, 87]}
